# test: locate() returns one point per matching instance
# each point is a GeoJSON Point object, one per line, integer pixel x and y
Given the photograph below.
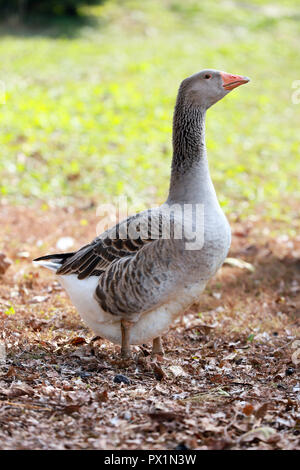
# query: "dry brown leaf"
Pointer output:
{"type": "Point", "coordinates": [261, 411]}
{"type": "Point", "coordinates": [245, 343]}
{"type": "Point", "coordinates": [5, 263]}
{"type": "Point", "coordinates": [158, 371]}
{"type": "Point", "coordinates": [70, 409]}
{"type": "Point", "coordinates": [248, 409]}
{"type": "Point", "coordinates": [18, 390]}
{"type": "Point", "coordinates": [102, 396]}
{"type": "Point", "coordinates": [77, 340]}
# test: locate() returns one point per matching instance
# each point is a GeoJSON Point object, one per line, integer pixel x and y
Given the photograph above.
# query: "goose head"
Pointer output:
{"type": "Point", "coordinates": [205, 88]}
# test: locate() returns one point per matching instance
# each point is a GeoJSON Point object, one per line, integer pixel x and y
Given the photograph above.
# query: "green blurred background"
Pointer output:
{"type": "Point", "coordinates": [89, 102]}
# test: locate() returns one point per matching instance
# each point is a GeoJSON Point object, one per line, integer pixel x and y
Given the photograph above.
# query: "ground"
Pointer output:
{"type": "Point", "coordinates": [229, 378]}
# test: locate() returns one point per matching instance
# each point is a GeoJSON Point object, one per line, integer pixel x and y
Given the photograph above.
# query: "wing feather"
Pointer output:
{"type": "Point", "coordinates": [102, 252]}
{"type": "Point", "coordinates": [132, 271]}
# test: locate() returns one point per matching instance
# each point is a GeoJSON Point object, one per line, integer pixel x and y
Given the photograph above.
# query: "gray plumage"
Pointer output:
{"type": "Point", "coordinates": [140, 271]}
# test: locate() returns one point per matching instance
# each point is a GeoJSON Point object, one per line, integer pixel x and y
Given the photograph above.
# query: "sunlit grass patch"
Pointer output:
{"type": "Point", "coordinates": [89, 116]}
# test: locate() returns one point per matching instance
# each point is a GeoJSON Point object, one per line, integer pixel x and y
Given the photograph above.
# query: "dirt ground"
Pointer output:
{"type": "Point", "coordinates": [229, 378]}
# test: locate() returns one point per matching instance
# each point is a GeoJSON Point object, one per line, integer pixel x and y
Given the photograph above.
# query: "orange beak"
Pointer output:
{"type": "Point", "coordinates": [232, 81]}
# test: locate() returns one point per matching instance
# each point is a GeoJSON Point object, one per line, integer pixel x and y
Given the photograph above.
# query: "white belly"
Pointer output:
{"type": "Point", "coordinates": [149, 326]}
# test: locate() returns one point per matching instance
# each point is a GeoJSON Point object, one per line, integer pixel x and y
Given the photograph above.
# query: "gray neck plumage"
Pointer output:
{"type": "Point", "coordinates": [190, 179]}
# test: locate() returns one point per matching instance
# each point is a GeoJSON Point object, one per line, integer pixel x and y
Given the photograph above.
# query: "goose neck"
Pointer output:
{"type": "Point", "coordinates": [190, 174]}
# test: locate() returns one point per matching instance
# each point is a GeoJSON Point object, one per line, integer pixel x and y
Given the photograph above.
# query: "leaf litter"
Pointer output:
{"type": "Point", "coordinates": [229, 378]}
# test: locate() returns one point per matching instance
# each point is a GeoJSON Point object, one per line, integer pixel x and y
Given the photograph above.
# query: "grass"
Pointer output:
{"type": "Point", "coordinates": [88, 109]}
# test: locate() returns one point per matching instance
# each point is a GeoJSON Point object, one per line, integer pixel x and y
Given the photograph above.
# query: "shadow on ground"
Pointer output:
{"type": "Point", "coordinates": [55, 27]}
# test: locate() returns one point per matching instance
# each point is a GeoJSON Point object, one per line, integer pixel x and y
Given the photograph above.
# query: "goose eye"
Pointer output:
{"type": "Point", "coordinates": [207, 76]}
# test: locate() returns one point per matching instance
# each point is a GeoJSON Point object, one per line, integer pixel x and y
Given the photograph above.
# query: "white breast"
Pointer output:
{"type": "Point", "coordinates": [149, 326]}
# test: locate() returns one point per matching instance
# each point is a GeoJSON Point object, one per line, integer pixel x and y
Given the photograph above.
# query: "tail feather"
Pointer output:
{"type": "Point", "coordinates": [52, 262]}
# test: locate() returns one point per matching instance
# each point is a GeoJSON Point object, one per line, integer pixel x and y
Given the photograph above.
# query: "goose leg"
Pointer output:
{"type": "Point", "coordinates": [157, 347]}
{"type": "Point", "coordinates": [125, 329]}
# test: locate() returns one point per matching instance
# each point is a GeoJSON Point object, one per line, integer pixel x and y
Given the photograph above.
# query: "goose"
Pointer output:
{"type": "Point", "coordinates": [133, 281]}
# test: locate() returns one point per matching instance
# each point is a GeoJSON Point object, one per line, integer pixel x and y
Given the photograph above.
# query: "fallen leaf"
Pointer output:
{"type": "Point", "coordinates": [158, 371]}
{"type": "Point", "coordinates": [38, 299]}
{"type": "Point", "coordinates": [77, 340]}
{"type": "Point", "coordinates": [69, 409]}
{"type": "Point", "coordinates": [23, 254]}
{"type": "Point", "coordinates": [18, 390]}
{"type": "Point", "coordinates": [239, 263]}
{"type": "Point", "coordinates": [261, 411]}
{"type": "Point", "coordinates": [102, 396]}
{"type": "Point", "coordinates": [177, 371]}
{"type": "Point", "coordinates": [4, 263]}
{"type": "Point", "coordinates": [11, 372]}
{"type": "Point", "coordinates": [248, 409]}
{"type": "Point", "coordinates": [262, 433]}
{"type": "Point", "coordinates": [2, 352]}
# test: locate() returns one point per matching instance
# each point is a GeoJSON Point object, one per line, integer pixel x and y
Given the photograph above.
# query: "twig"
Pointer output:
{"type": "Point", "coordinates": [23, 405]}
